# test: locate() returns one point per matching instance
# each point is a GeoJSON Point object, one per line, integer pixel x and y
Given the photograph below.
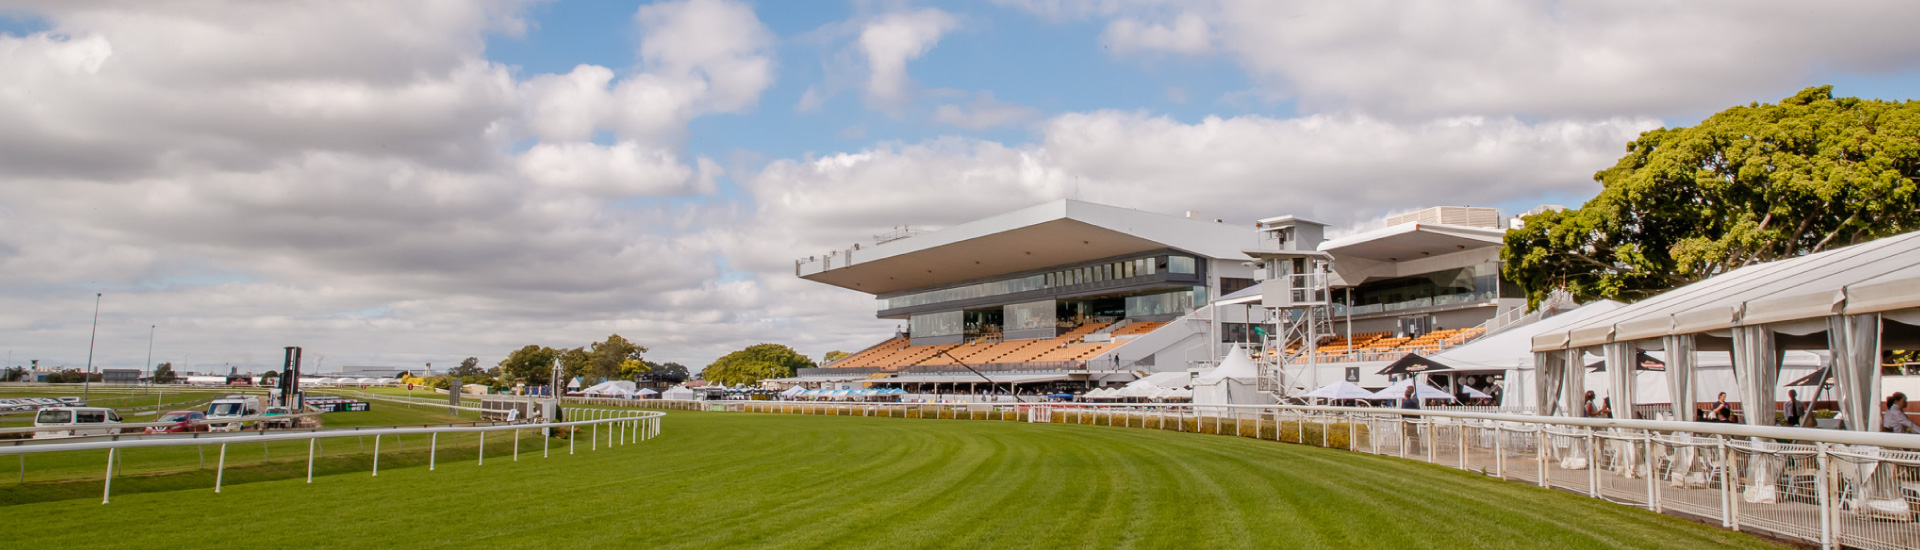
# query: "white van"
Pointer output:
{"type": "Point", "coordinates": [75, 421]}
{"type": "Point", "coordinates": [232, 406]}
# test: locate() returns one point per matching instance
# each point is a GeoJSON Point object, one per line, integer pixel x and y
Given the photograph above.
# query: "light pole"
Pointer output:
{"type": "Point", "coordinates": [86, 378]}
{"type": "Point", "coordinates": [149, 367]}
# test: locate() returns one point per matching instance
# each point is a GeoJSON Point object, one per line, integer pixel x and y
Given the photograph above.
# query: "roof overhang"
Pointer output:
{"type": "Point", "coordinates": [1412, 241]}
{"type": "Point", "coordinates": [1055, 233]}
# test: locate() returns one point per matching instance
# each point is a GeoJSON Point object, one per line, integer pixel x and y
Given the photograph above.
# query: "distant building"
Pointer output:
{"type": "Point", "coordinates": [373, 372]}
{"type": "Point", "coordinates": [124, 377]}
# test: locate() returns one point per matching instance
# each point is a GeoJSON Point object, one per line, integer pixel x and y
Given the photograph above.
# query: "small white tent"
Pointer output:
{"type": "Point", "coordinates": [1234, 382]}
{"type": "Point", "coordinates": [1399, 391]}
{"type": "Point", "coordinates": [681, 393]}
{"type": "Point", "coordinates": [1341, 390]}
{"type": "Point", "coordinates": [611, 388]}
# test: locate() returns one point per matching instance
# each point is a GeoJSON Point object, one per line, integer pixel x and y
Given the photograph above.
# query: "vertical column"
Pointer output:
{"type": "Point", "coordinates": [1855, 342]}
{"type": "Point", "coordinates": [1680, 375]}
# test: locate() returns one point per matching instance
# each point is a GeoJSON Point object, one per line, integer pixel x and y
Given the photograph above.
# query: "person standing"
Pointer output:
{"type": "Point", "coordinates": [1793, 408]}
{"type": "Point", "coordinates": [1411, 402]}
{"type": "Point", "coordinates": [1586, 407]}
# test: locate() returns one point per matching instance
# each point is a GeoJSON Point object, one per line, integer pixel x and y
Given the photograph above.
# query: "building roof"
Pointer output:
{"type": "Point", "coordinates": [1412, 241]}
{"type": "Point", "coordinates": [1054, 233]}
{"type": "Point", "coordinates": [1872, 277]}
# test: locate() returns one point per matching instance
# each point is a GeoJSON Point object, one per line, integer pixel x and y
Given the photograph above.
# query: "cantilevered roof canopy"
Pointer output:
{"type": "Point", "coordinates": [1412, 241]}
{"type": "Point", "coordinates": [1051, 234]}
{"type": "Point", "coordinates": [1872, 277]}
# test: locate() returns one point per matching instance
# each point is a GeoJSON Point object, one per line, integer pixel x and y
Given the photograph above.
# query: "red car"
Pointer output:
{"type": "Point", "coordinates": [184, 421]}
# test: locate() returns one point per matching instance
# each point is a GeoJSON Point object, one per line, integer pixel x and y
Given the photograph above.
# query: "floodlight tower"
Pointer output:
{"type": "Point", "coordinates": [1295, 295]}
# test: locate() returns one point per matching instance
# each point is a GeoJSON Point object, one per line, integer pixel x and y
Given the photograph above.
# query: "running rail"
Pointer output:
{"type": "Point", "coordinates": [623, 427]}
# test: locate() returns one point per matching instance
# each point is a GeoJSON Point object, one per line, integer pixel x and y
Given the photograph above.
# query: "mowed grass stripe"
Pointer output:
{"type": "Point", "coordinates": [785, 481]}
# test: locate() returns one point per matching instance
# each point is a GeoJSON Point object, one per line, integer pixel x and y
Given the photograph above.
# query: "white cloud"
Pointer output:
{"type": "Point", "coordinates": [623, 169]}
{"type": "Point", "coordinates": [1586, 58]}
{"type": "Point", "coordinates": [721, 41]}
{"type": "Point", "coordinates": [984, 112]}
{"type": "Point", "coordinates": [354, 177]}
{"type": "Point", "coordinates": [1187, 34]}
{"type": "Point", "coordinates": [889, 41]}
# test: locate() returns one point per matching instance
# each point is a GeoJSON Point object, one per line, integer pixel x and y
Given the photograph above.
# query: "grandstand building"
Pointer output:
{"type": "Point", "coordinates": [1075, 294]}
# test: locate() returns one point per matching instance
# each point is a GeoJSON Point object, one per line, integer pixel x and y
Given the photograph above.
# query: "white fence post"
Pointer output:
{"type": "Point", "coordinates": [220, 471]}
{"type": "Point", "coordinates": [106, 492]}
{"type": "Point", "coordinates": [310, 445]}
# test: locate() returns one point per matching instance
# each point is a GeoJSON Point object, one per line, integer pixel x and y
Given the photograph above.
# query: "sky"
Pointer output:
{"type": "Point", "coordinates": [412, 183]}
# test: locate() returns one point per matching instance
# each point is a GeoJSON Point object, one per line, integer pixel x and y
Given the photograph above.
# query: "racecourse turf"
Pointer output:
{"type": "Point", "coordinates": [764, 480]}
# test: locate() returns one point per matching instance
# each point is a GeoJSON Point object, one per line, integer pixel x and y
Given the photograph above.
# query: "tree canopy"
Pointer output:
{"type": "Point", "coordinates": [163, 373]}
{"type": "Point", "coordinates": [468, 367]}
{"type": "Point", "coordinates": [531, 365]}
{"type": "Point", "coordinates": [615, 358]}
{"type": "Point", "coordinates": [755, 363]}
{"type": "Point", "coordinates": [1749, 184]}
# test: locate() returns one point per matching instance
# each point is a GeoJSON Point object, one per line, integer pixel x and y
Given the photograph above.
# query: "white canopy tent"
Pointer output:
{"type": "Point", "coordinates": [1341, 390]}
{"type": "Point", "coordinates": [1399, 391]}
{"type": "Point", "coordinates": [1511, 350]}
{"type": "Point", "coordinates": [1852, 302]}
{"type": "Point", "coordinates": [1235, 381]}
{"type": "Point", "coordinates": [611, 388]}
{"type": "Point", "coordinates": [681, 393]}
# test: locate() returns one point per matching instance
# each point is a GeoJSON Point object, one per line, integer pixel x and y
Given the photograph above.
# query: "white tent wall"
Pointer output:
{"type": "Point", "coordinates": [1234, 382]}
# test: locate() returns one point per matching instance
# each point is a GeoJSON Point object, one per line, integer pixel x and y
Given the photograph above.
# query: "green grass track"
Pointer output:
{"type": "Point", "coordinates": [764, 480]}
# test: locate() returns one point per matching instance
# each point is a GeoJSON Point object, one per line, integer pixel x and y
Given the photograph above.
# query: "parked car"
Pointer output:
{"type": "Point", "coordinates": [72, 401]}
{"type": "Point", "coordinates": [75, 421]}
{"type": "Point", "coordinates": [278, 422]}
{"type": "Point", "coordinates": [184, 421]}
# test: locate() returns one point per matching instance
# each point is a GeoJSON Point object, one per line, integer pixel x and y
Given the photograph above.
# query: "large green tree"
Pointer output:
{"type": "Point", "coordinates": [531, 365]}
{"type": "Point", "coordinates": [615, 358]}
{"type": "Point", "coordinates": [163, 373]}
{"type": "Point", "coordinates": [1749, 184]}
{"type": "Point", "coordinates": [755, 363]}
{"type": "Point", "coordinates": [468, 367]}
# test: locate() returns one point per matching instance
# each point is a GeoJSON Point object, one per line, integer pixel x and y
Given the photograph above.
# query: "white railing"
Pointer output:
{"type": "Point", "coordinates": [1827, 487]}
{"type": "Point", "coordinates": [622, 427]}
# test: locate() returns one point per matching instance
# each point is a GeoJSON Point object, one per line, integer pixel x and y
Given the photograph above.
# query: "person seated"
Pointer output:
{"type": "Point", "coordinates": [1895, 418]}
{"type": "Point", "coordinates": [1720, 411]}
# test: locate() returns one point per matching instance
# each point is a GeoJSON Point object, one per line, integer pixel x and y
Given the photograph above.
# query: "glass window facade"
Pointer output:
{"type": "Point", "coordinates": [1468, 285]}
{"type": "Point", "coordinates": [1179, 264]}
{"type": "Point", "coordinates": [1178, 301]}
{"type": "Point", "coordinates": [1111, 271]}
{"type": "Point", "coordinates": [1031, 315]}
{"type": "Point", "coordinates": [946, 323]}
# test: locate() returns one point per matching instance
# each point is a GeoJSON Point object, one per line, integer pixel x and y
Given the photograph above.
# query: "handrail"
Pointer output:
{"type": "Point", "coordinates": [629, 425]}
{"type": "Point", "coordinates": [114, 425]}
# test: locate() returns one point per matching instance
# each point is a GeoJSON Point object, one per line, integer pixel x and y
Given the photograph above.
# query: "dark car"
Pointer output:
{"type": "Point", "coordinates": [183, 421]}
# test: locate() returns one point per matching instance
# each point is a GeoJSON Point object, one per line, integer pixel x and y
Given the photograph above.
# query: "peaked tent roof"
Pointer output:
{"type": "Point", "coordinates": [1413, 363]}
{"type": "Point", "coordinates": [1237, 366]}
{"type": "Point", "coordinates": [1341, 390]}
{"type": "Point", "coordinates": [1399, 391]}
{"type": "Point", "coordinates": [1871, 277]}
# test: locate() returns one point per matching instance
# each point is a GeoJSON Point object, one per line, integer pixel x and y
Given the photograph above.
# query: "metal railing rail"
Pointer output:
{"type": "Point", "coordinates": [1828, 487]}
{"type": "Point", "coordinates": [623, 427]}
{"type": "Point", "coordinates": [125, 425]}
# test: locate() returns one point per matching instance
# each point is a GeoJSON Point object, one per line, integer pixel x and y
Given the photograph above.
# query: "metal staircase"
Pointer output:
{"type": "Point", "coordinates": [1302, 319]}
